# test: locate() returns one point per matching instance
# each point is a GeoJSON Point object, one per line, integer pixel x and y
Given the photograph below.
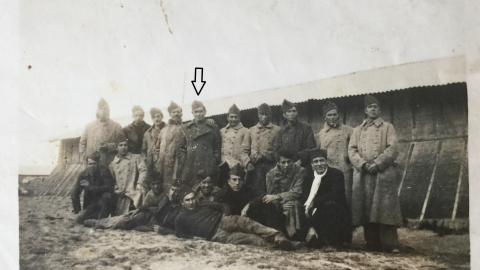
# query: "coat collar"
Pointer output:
{"type": "Point", "coordinates": [327, 127]}
{"type": "Point", "coordinates": [377, 122]}
{"type": "Point", "coordinates": [172, 122]}
{"type": "Point", "coordinates": [118, 158]}
{"type": "Point", "coordinates": [288, 174]}
{"type": "Point", "coordinates": [269, 126]}
{"type": "Point", "coordinates": [162, 125]}
{"type": "Point", "coordinates": [237, 127]}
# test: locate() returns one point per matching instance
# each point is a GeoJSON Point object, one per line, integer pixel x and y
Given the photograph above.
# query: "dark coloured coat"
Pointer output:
{"type": "Point", "coordinates": [167, 164]}
{"type": "Point", "coordinates": [135, 139]}
{"type": "Point", "coordinates": [199, 149]}
{"type": "Point", "coordinates": [374, 197]}
{"type": "Point", "coordinates": [335, 140]}
{"type": "Point", "coordinates": [100, 181]}
{"type": "Point", "coordinates": [235, 201]}
{"type": "Point", "coordinates": [296, 138]}
{"type": "Point", "coordinates": [98, 132]}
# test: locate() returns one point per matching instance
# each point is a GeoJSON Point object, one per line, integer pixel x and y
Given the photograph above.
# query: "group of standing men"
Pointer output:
{"type": "Point", "coordinates": [263, 185]}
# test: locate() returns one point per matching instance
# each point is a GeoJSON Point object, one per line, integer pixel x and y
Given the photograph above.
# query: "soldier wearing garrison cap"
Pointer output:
{"type": "Point", "coordinates": [167, 142]}
{"type": "Point", "coordinates": [375, 203]}
{"type": "Point", "coordinates": [135, 131]}
{"type": "Point", "coordinates": [150, 152]}
{"type": "Point", "coordinates": [101, 135]}
{"type": "Point", "coordinates": [232, 138]}
{"type": "Point", "coordinates": [257, 149]}
{"type": "Point", "coordinates": [200, 145]}
{"type": "Point", "coordinates": [295, 136]}
{"type": "Point", "coordinates": [325, 205]}
{"type": "Point", "coordinates": [334, 137]}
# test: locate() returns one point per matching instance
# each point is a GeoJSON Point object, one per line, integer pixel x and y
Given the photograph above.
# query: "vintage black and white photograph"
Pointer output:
{"type": "Point", "coordinates": [164, 134]}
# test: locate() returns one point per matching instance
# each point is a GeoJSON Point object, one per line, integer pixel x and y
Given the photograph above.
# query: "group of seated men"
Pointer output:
{"type": "Point", "coordinates": [264, 186]}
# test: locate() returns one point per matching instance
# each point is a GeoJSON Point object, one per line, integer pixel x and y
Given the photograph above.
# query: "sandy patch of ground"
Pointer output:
{"type": "Point", "coordinates": [49, 239]}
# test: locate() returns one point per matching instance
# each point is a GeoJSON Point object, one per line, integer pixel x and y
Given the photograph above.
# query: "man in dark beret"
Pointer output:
{"type": "Point", "coordinates": [295, 135]}
{"type": "Point", "coordinates": [135, 131]}
{"type": "Point", "coordinates": [97, 185]}
{"type": "Point", "coordinates": [326, 210]}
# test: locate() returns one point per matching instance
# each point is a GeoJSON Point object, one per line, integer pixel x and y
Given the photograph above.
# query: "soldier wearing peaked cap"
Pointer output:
{"type": "Point", "coordinates": [334, 137]}
{"type": "Point", "coordinates": [166, 144]}
{"type": "Point", "coordinates": [199, 147]}
{"type": "Point", "coordinates": [295, 136]}
{"type": "Point", "coordinates": [101, 135]}
{"type": "Point", "coordinates": [257, 149]}
{"type": "Point", "coordinates": [375, 204]}
{"type": "Point", "coordinates": [232, 139]}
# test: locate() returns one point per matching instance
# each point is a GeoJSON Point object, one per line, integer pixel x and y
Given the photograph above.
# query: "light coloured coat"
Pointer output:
{"type": "Point", "coordinates": [232, 139]}
{"type": "Point", "coordinates": [167, 164]}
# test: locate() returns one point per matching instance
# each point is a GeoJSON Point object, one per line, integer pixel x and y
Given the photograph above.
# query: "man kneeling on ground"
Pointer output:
{"type": "Point", "coordinates": [203, 221]}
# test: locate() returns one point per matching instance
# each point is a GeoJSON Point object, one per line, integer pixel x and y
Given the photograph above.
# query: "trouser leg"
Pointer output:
{"type": "Point", "coordinates": [371, 234]}
{"type": "Point", "coordinates": [268, 215]}
{"type": "Point", "coordinates": [105, 205]}
{"type": "Point", "coordinates": [246, 225]}
{"type": "Point", "coordinates": [238, 238]}
{"type": "Point", "coordinates": [388, 237]}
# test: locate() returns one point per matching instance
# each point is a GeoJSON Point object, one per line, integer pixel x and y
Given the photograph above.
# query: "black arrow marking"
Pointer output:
{"type": "Point", "coordinates": [200, 84]}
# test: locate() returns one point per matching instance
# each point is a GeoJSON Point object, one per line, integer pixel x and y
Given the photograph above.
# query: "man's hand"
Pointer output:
{"type": "Point", "coordinates": [254, 158]}
{"type": "Point", "coordinates": [307, 209]}
{"type": "Point", "coordinates": [245, 210]}
{"type": "Point", "coordinates": [210, 121]}
{"type": "Point", "coordinates": [84, 183]}
{"type": "Point", "coordinates": [373, 169]}
{"type": "Point", "coordinates": [250, 167]}
{"type": "Point", "coordinates": [120, 192]}
{"type": "Point", "coordinates": [311, 234]}
{"type": "Point", "coordinates": [288, 205]}
{"type": "Point", "coordinates": [142, 189]}
{"type": "Point", "coordinates": [271, 198]}
{"type": "Point", "coordinates": [298, 162]}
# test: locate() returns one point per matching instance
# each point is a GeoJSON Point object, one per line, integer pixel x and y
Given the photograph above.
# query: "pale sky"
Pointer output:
{"type": "Point", "coordinates": [145, 52]}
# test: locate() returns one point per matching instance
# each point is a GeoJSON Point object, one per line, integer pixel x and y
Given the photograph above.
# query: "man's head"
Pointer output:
{"type": "Point", "coordinates": [173, 191]}
{"type": "Point", "coordinates": [188, 201]}
{"type": "Point", "coordinates": [233, 116]}
{"type": "Point", "coordinates": [156, 186]}
{"type": "Point", "coordinates": [264, 114]}
{"type": "Point", "coordinates": [372, 107]}
{"type": "Point", "coordinates": [330, 111]}
{"type": "Point", "coordinates": [122, 147]}
{"type": "Point", "coordinates": [235, 180]}
{"type": "Point", "coordinates": [157, 116]}
{"type": "Point", "coordinates": [138, 114]}
{"type": "Point", "coordinates": [289, 111]}
{"type": "Point", "coordinates": [318, 158]}
{"type": "Point", "coordinates": [205, 183]}
{"type": "Point", "coordinates": [103, 110]}
{"type": "Point", "coordinates": [92, 161]}
{"type": "Point", "coordinates": [175, 112]}
{"type": "Point", "coordinates": [285, 160]}
{"type": "Point", "coordinates": [198, 111]}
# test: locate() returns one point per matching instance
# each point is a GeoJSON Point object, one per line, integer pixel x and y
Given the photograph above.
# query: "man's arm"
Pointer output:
{"type": "Point", "coordinates": [246, 147]}
{"type": "Point", "coordinates": [295, 191]}
{"type": "Point", "coordinates": [217, 144]}
{"type": "Point", "coordinates": [181, 229]}
{"type": "Point", "coordinates": [353, 153]}
{"type": "Point", "coordinates": [75, 194]}
{"type": "Point", "coordinates": [336, 194]}
{"type": "Point", "coordinates": [387, 158]}
{"type": "Point", "coordinates": [142, 172]}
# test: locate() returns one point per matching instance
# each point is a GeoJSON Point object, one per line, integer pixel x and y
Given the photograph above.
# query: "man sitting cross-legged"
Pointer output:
{"type": "Point", "coordinates": [203, 221]}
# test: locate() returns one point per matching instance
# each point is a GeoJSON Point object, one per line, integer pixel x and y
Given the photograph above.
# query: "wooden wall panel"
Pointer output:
{"type": "Point", "coordinates": [402, 116]}
{"type": "Point", "coordinates": [444, 187]}
{"type": "Point", "coordinates": [426, 110]}
{"type": "Point", "coordinates": [463, 203]}
{"type": "Point", "coordinates": [455, 111]}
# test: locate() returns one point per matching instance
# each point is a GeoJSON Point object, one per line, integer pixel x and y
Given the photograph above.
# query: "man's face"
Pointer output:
{"type": "Point", "coordinates": [331, 117]}
{"type": "Point", "coordinates": [92, 164]}
{"type": "Point", "coordinates": [373, 111]}
{"type": "Point", "coordinates": [264, 118]}
{"type": "Point", "coordinates": [122, 148]}
{"type": "Point", "coordinates": [103, 114]}
{"type": "Point", "coordinates": [206, 186]}
{"type": "Point", "coordinates": [156, 187]}
{"type": "Point", "coordinates": [171, 194]}
{"type": "Point", "coordinates": [189, 201]}
{"type": "Point", "coordinates": [291, 115]}
{"type": "Point", "coordinates": [285, 164]}
{"type": "Point", "coordinates": [157, 119]}
{"type": "Point", "coordinates": [199, 114]}
{"type": "Point", "coordinates": [233, 119]}
{"type": "Point", "coordinates": [319, 164]}
{"type": "Point", "coordinates": [176, 115]}
{"type": "Point", "coordinates": [138, 116]}
{"type": "Point", "coordinates": [235, 182]}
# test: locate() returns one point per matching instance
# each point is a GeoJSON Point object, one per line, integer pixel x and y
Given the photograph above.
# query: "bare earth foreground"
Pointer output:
{"type": "Point", "coordinates": [49, 239]}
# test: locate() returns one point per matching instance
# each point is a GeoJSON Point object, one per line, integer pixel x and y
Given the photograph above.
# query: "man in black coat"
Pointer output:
{"type": "Point", "coordinates": [97, 184]}
{"type": "Point", "coordinates": [327, 214]}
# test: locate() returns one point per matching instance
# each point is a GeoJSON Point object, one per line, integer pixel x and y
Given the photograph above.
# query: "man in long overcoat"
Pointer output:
{"type": "Point", "coordinates": [200, 147]}
{"type": "Point", "coordinates": [375, 204]}
{"type": "Point", "coordinates": [135, 131]}
{"type": "Point", "coordinates": [295, 136]}
{"type": "Point", "coordinates": [102, 135]}
{"type": "Point", "coordinates": [169, 139]}
{"type": "Point", "coordinates": [150, 152]}
{"type": "Point", "coordinates": [258, 156]}
{"type": "Point", "coordinates": [334, 137]}
{"type": "Point", "coordinates": [232, 137]}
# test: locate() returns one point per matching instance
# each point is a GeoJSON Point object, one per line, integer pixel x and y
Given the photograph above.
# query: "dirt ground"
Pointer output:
{"type": "Point", "coordinates": [49, 239]}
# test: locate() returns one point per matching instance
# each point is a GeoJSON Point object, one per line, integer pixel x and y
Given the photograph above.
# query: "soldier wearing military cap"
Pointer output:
{"type": "Point", "coordinates": [372, 150]}
{"type": "Point", "coordinates": [334, 137]}
{"type": "Point", "coordinates": [149, 150]}
{"type": "Point", "coordinates": [232, 137]}
{"type": "Point", "coordinates": [200, 145]}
